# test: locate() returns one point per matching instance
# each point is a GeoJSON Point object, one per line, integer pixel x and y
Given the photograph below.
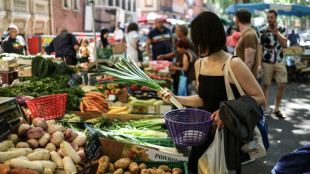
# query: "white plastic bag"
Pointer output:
{"type": "Point", "coordinates": [213, 160]}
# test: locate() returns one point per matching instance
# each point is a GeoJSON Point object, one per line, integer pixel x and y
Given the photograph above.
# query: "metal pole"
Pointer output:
{"type": "Point", "coordinates": [94, 32]}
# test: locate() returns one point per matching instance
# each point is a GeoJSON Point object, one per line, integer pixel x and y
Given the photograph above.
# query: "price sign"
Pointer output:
{"type": "Point", "coordinates": [93, 148]}
{"type": "Point", "coordinates": [5, 129]}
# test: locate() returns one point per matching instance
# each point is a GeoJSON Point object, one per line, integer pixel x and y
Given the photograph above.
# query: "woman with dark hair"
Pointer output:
{"type": "Point", "coordinates": [132, 42]}
{"type": "Point", "coordinates": [104, 35]}
{"type": "Point", "coordinates": [187, 64]}
{"type": "Point", "coordinates": [209, 39]}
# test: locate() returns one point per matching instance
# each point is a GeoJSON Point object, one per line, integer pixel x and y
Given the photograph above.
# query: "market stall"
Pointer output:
{"type": "Point", "coordinates": [54, 123]}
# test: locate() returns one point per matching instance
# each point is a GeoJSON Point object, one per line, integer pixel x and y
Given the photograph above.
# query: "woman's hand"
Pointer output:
{"type": "Point", "coordinates": [165, 95]}
{"type": "Point", "coordinates": [217, 120]}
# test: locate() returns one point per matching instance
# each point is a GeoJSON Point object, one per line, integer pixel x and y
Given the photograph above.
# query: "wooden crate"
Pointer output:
{"type": "Point", "coordinates": [24, 61]}
{"type": "Point", "coordinates": [7, 77]}
{"type": "Point", "coordinates": [24, 71]}
{"type": "Point", "coordinates": [5, 65]}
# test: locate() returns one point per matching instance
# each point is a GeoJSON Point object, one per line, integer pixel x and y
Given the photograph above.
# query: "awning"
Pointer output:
{"type": "Point", "coordinates": [288, 10]}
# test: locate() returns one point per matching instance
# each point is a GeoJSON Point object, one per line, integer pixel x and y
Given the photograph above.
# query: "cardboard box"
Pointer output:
{"type": "Point", "coordinates": [118, 48]}
{"type": "Point", "coordinates": [24, 71]}
{"type": "Point", "coordinates": [24, 61]}
{"type": "Point", "coordinates": [8, 65]}
{"type": "Point", "coordinates": [116, 150]}
{"type": "Point", "coordinates": [9, 110]}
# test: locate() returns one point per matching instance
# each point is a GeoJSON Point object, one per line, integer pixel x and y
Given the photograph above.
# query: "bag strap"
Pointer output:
{"type": "Point", "coordinates": [228, 72]}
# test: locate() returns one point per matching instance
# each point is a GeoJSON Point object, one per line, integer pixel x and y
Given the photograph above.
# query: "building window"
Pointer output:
{"type": "Point", "coordinates": [134, 6]}
{"type": "Point", "coordinates": [110, 2]}
{"type": "Point", "coordinates": [148, 3]}
{"type": "Point", "coordinates": [129, 5]}
{"type": "Point", "coordinates": [66, 4]}
{"type": "Point", "coordinates": [123, 4]}
{"type": "Point", "coordinates": [76, 4]}
{"type": "Point", "coordinates": [117, 3]}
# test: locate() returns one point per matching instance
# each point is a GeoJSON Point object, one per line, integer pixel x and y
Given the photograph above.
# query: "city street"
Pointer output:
{"type": "Point", "coordinates": [289, 134]}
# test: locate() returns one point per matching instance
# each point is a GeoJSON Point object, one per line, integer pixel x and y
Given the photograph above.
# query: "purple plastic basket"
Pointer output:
{"type": "Point", "coordinates": [188, 127]}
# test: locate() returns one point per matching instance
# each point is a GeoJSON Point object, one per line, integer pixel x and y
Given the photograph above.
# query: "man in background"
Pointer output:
{"type": "Point", "coordinates": [14, 43]}
{"type": "Point", "coordinates": [293, 37]}
{"type": "Point", "coordinates": [272, 41]}
{"type": "Point", "coordinates": [247, 46]}
{"type": "Point", "coordinates": [65, 46]}
{"type": "Point", "coordinates": [160, 38]}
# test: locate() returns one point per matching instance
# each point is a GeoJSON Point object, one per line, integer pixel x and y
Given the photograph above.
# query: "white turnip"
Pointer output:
{"type": "Point", "coordinates": [35, 133]}
{"type": "Point", "coordinates": [82, 155]}
{"type": "Point", "coordinates": [80, 140]}
{"type": "Point", "coordinates": [33, 143]}
{"type": "Point", "coordinates": [6, 144]}
{"type": "Point", "coordinates": [70, 135]}
{"type": "Point", "coordinates": [61, 154]}
{"type": "Point", "coordinates": [67, 150]}
{"type": "Point", "coordinates": [23, 129]}
{"type": "Point", "coordinates": [13, 137]}
{"type": "Point", "coordinates": [57, 138]}
{"type": "Point", "coordinates": [55, 127]}
{"type": "Point", "coordinates": [40, 122]}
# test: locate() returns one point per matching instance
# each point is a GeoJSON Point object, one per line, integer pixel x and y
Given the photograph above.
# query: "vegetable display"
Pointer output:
{"type": "Point", "coordinates": [94, 101]}
{"type": "Point", "coordinates": [130, 73]}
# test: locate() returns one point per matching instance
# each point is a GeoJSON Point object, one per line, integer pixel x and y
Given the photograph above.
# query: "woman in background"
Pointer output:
{"type": "Point", "coordinates": [132, 42]}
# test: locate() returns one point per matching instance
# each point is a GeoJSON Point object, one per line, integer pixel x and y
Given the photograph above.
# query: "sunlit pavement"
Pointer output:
{"type": "Point", "coordinates": [285, 135]}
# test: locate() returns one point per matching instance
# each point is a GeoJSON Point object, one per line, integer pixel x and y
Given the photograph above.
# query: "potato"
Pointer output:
{"type": "Point", "coordinates": [111, 168]}
{"type": "Point", "coordinates": [5, 145]}
{"type": "Point", "coordinates": [23, 171]}
{"type": "Point", "coordinates": [70, 135]}
{"type": "Point", "coordinates": [4, 169]}
{"type": "Point", "coordinates": [22, 145]}
{"type": "Point", "coordinates": [104, 163]}
{"type": "Point", "coordinates": [119, 171]}
{"type": "Point", "coordinates": [33, 143]}
{"type": "Point", "coordinates": [69, 166]}
{"type": "Point", "coordinates": [133, 167]}
{"type": "Point", "coordinates": [177, 171]}
{"type": "Point", "coordinates": [127, 172]}
{"type": "Point", "coordinates": [23, 129]}
{"type": "Point", "coordinates": [44, 139]}
{"type": "Point", "coordinates": [13, 137]}
{"type": "Point", "coordinates": [35, 133]}
{"type": "Point", "coordinates": [47, 171]}
{"type": "Point", "coordinates": [47, 164]}
{"type": "Point", "coordinates": [55, 127]}
{"type": "Point", "coordinates": [168, 173]}
{"type": "Point", "coordinates": [39, 122]}
{"type": "Point", "coordinates": [42, 155]}
{"type": "Point", "coordinates": [50, 147]}
{"type": "Point", "coordinates": [164, 168]}
{"type": "Point", "coordinates": [142, 166]}
{"type": "Point", "coordinates": [159, 171]}
{"type": "Point", "coordinates": [67, 150]}
{"type": "Point", "coordinates": [56, 159]}
{"type": "Point", "coordinates": [19, 163]}
{"type": "Point", "coordinates": [41, 150]}
{"type": "Point", "coordinates": [122, 163]}
{"type": "Point", "coordinates": [146, 171]}
{"type": "Point", "coordinates": [80, 140]}
{"type": "Point", "coordinates": [56, 138]}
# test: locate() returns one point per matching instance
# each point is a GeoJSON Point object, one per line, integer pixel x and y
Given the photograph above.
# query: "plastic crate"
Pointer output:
{"type": "Point", "coordinates": [49, 107]}
{"type": "Point", "coordinates": [104, 53]}
{"type": "Point", "coordinates": [8, 77]}
{"type": "Point", "coordinates": [188, 127]}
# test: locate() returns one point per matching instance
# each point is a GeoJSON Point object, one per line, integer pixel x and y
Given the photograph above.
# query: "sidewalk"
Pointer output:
{"type": "Point", "coordinates": [285, 135]}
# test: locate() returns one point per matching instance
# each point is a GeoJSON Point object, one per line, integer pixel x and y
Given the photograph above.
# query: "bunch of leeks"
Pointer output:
{"type": "Point", "coordinates": [132, 74]}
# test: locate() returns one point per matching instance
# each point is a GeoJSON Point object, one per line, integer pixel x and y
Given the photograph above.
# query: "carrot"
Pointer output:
{"type": "Point", "coordinates": [93, 95]}
{"type": "Point", "coordinates": [81, 107]}
{"type": "Point", "coordinates": [94, 103]}
{"type": "Point", "coordinates": [98, 93]}
{"type": "Point", "coordinates": [86, 104]}
{"type": "Point", "coordinates": [93, 110]}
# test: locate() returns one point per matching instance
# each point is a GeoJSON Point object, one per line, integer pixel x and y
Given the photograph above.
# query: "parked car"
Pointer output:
{"type": "Point", "coordinates": [305, 35]}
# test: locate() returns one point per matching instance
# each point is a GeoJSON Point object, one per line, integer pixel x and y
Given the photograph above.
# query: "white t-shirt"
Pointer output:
{"type": "Point", "coordinates": [118, 34]}
{"type": "Point", "coordinates": [131, 40]}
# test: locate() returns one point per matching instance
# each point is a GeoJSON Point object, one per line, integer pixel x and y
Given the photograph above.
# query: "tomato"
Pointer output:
{"type": "Point", "coordinates": [134, 87]}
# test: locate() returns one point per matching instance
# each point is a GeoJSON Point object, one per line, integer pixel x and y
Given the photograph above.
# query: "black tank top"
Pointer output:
{"type": "Point", "coordinates": [212, 91]}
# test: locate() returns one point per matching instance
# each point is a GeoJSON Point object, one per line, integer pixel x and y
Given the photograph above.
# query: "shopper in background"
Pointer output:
{"type": "Point", "coordinates": [84, 51]}
{"type": "Point", "coordinates": [209, 38]}
{"type": "Point", "coordinates": [187, 64]}
{"type": "Point", "coordinates": [104, 35]}
{"type": "Point", "coordinates": [247, 46]}
{"type": "Point", "coordinates": [14, 43]}
{"type": "Point", "coordinates": [160, 39]}
{"type": "Point", "coordinates": [65, 46]}
{"type": "Point", "coordinates": [294, 39]}
{"type": "Point", "coordinates": [118, 33]}
{"type": "Point", "coordinates": [232, 39]}
{"type": "Point", "coordinates": [132, 42]}
{"type": "Point", "coordinates": [272, 41]}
